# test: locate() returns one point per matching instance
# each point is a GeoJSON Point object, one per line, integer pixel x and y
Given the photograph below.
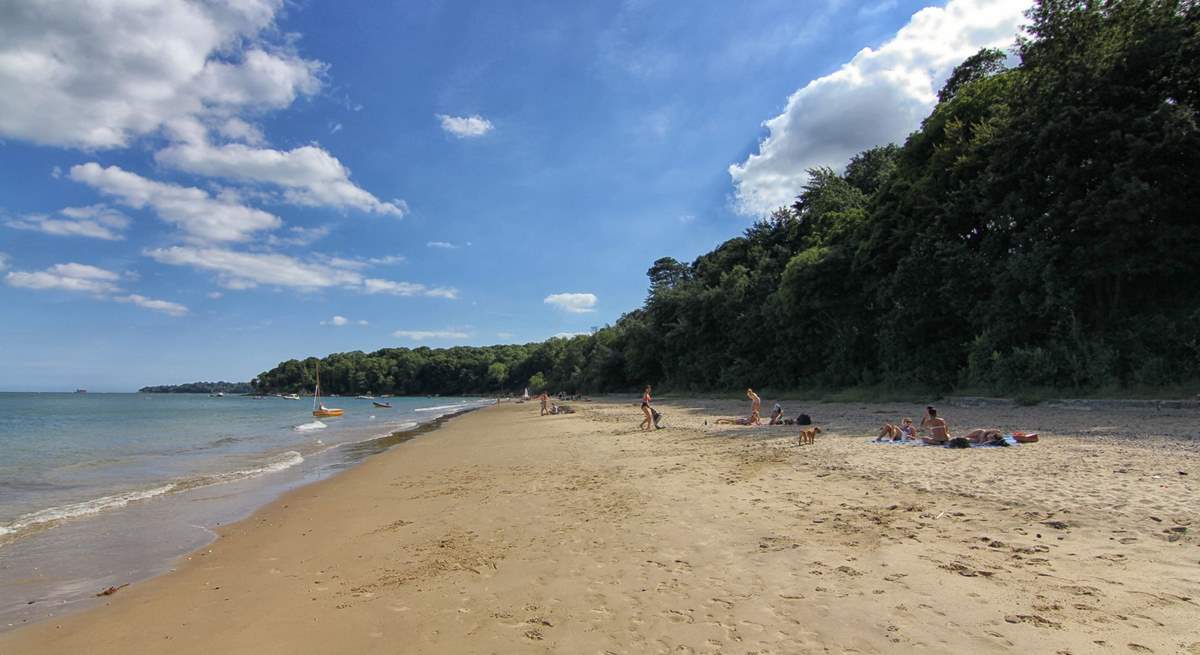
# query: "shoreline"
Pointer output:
{"type": "Point", "coordinates": [248, 495]}
{"type": "Point", "coordinates": [578, 533]}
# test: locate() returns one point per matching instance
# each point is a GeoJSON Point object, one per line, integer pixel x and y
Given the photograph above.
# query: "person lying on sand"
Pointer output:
{"type": "Point", "coordinates": [939, 430]}
{"type": "Point", "coordinates": [735, 421]}
{"type": "Point", "coordinates": [776, 415]}
{"type": "Point", "coordinates": [903, 432]}
{"type": "Point", "coordinates": [982, 435]}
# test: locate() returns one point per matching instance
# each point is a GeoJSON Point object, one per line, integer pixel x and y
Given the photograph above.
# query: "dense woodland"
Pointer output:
{"type": "Point", "coordinates": [201, 387]}
{"type": "Point", "coordinates": [1040, 229]}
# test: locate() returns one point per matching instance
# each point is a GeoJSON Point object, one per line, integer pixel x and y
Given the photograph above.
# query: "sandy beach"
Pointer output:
{"type": "Point", "coordinates": [507, 532]}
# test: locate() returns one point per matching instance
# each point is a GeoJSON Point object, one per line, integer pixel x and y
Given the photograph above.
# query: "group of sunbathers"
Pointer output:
{"type": "Point", "coordinates": [939, 433]}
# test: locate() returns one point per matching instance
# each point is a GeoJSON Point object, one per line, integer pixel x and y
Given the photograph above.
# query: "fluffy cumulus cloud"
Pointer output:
{"type": "Point", "coordinates": [337, 321]}
{"type": "Point", "coordinates": [879, 97]}
{"type": "Point", "coordinates": [308, 175]}
{"type": "Point", "coordinates": [246, 270]}
{"type": "Point", "coordinates": [93, 78]}
{"type": "Point", "coordinates": [100, 75]}
{"type": "Point", "coordinates": [95, 221]}
{"type": "Point", "coordinates": [84, 278]}
{"type": "Point", "coordinates": [575, 303]}
{"type": "Point", "coordinates": [423, 335]}
{"type": "Point", "coordinates": [465, 127]}
{"type": "Point", "coordinates": [193, 210]}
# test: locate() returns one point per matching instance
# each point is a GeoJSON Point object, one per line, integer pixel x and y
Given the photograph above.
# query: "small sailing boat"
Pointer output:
{"type": "Point", "coordinates": [319, 409]}
{"type": "Point", "coordinates": [383, 405]}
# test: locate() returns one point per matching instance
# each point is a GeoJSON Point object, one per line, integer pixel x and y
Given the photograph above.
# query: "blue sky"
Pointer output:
{"type": "Point", "coordinates": [199, 190]}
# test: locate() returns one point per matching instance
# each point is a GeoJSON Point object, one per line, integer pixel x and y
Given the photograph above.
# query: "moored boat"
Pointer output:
{"type": "Point", "coordinates": [319, 408]}
{"type": "Point", "coordinates": [383, 405]}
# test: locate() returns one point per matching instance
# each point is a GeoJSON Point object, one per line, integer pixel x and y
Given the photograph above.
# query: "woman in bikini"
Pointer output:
{"type": "Point", "coordinates": [649, 420]}
{"type": "Point", "coordinates": [939, 431]}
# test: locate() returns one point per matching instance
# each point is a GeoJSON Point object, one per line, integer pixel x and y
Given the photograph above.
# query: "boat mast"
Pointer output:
{"type": "Point", "coordinates": [317, 389]}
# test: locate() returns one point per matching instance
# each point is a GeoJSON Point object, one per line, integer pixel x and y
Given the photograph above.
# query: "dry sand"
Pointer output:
{"type": "Point", "coordinates": [507, 532]}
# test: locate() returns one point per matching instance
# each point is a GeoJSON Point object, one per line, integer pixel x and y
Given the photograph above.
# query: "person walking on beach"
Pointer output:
{"type": "Point", "coordinates": [647, 422]}
{"type": "Point", "coordinates": [545, 403]}
{"type": "Point", "coordinates": [755, 407]}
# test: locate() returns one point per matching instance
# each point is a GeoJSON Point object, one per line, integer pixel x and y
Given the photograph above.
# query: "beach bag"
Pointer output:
{"type": "Point", "coordinates": [959, 442]}
{"type": "Point", "coordinates": [657, 417]}
{"type": "Point", "coordinates": [804, 419]}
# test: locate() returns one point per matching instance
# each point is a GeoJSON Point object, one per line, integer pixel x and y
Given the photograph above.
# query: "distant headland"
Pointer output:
{"type": "Point", "coordinates": [200, 387]}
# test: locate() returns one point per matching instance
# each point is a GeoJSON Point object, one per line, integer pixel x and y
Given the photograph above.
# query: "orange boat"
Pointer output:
{"type": "Point", "coordinates": [319, 408]}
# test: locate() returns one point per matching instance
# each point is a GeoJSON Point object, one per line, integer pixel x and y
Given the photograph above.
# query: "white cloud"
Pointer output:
{"type": "Point", "coordinates": [465, 127]}
{"type": "Point", "coordinates": [215, 295]}
{"type": "Point", "coordinates": [67, 277]}
{"type": "Point", "coordinates": [422, 335]}
{"type": "Point", "coordinates": [504, 335]}
{"type": "Point", "coordinates": [335, 128]}
{"type": "Point", "coordinates": [309, 175]}
{"type": "Point", "coordinates": [164, 306]}
{"type": "Point", "coordinates": [96, 221]}
{"type": "Point", "coordinates": [84, 278]}
{"type": "Point", "coordinates": [386, 260]}
{"type": "Point", "coordinates": [236, 129]}
{"type": "Point", "coordinates": [441, 244]}
{"type": "Point", "coordinates": [246, 270]}
{"type": "Point", "coordinates": [337, 321]}
{"type": "Point", "coordinates": [376, 286]}
{"type": "Point", "coordinates": [192, 210]}
{"type": "Point", "coordinates": [575, 303]}
{"type": "Point", "coordinates": [364, 323]}
{"type": "Point", "coordinates": [568, 335]}
{"type": "Point", "coordinates": [299, 236]}
{"type": "Point", "coordinates": [100, 77]}
{"type": "Point", "coordinates": [877, 98]}
{"type": "Point", "coordinates": [3, 262]}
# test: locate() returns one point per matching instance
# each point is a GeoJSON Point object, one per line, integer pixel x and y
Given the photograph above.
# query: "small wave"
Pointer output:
{"type": "Point", "coordinates": [277, 463]}
{"type": "Point", "coordinates": [439, 407]}
{"type": "Point", "coordinates": [52, 515]}
{"type": "Point", "coordinates": [85, 508]}
{"type": "Point", "coordinates": [315, 425]}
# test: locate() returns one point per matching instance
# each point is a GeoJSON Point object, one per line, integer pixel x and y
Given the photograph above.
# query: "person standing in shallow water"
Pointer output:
{"type": "Point", "coordinates": [647, 422]}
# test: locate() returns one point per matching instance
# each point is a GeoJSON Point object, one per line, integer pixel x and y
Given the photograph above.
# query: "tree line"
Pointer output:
{"type": "Point", "coordinates": [200, 387]}
{"type": "Point", "coordinates": [1040, 229]}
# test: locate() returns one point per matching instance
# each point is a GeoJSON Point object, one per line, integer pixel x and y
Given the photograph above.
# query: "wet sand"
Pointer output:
{"type": "Point", "coordinates": [508, 532]}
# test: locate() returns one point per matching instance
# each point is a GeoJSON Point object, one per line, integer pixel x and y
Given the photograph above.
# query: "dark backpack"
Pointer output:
{"type": "Point", "coordinates": [804, 419]}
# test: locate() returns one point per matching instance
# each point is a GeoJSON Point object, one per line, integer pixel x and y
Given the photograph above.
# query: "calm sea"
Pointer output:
{"type": "Point", "coordinates": [104, 489]}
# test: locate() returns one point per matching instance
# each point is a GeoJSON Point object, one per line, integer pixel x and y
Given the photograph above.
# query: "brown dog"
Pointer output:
{"type": "Point", "coordinates": [808, 435]}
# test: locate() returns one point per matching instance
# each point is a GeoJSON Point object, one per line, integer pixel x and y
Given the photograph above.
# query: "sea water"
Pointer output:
{"type": "Point", "coordinates": [97, 490]}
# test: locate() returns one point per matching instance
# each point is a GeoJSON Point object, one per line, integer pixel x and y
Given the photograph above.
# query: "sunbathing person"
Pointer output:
{"type": "Point", "coordinates": [939, 430]}
{"type": "Point", "coordinates": [981, 436]}
{"type": "Point", "coordinates": [735, 421]}
{"type": "Point", "coordinates": [776, 415]}
{"type": "Point", "coordinates": [903, 432]}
